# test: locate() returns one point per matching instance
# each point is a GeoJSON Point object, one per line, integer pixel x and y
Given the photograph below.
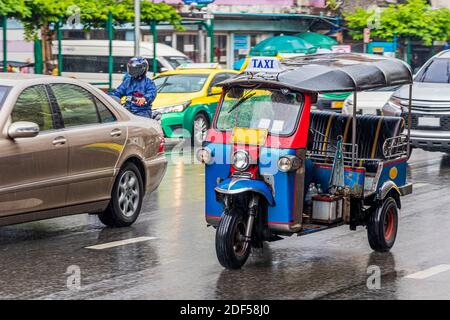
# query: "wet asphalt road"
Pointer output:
{"type": "Point", "coordinates": [179, 261]}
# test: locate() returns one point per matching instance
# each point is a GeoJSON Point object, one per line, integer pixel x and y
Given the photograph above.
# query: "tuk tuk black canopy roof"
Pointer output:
{"type": "Point", "coordinates": [332, 72]}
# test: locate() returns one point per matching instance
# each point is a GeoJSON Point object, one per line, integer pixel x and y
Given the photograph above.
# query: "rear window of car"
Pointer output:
{"type": "Point", "coordinates": [437, 71]}
{"type": "Point", "coordinates": [4, 90]}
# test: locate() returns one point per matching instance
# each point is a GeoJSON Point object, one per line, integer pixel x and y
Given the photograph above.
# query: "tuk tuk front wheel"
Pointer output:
{"type": "Point", "coordinates": [232, 249]}
{"type": "Point", "coordinates": [382, 226]}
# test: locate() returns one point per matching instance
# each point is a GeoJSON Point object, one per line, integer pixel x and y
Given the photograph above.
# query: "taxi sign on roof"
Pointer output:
{"type": "Point", "coordinates": [199, 66]}
{"type": "Point", "coordinates": [264, 64]}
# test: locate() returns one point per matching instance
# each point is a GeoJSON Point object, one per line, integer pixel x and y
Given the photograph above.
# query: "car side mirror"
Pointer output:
{"type": "Point", "coordinates": [215, 90]}
{"type": "Point", "coordinates": [23, 129]}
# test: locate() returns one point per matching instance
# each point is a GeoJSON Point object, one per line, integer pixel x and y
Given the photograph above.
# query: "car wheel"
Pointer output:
{"type": "Point", "coordinates": [382, 226]}
{"type": "Point", "coordinates": [200, 129]}
{"type": "Point", "coordinates": [126, 198]}
{"type": "Point", "coordinates": [232, 248]}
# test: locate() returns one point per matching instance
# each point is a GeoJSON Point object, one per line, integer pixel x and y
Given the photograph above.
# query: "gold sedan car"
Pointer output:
{"type": "Point", "coordinates": [67, 148]}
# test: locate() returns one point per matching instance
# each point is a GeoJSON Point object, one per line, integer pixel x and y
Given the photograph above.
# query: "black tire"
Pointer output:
{"type": "Point", "coordinates": [195, 139]}
{"type": "Point", "coordinates": [231, 249]}
{"type": "Point", "coordinates": [382, 226]}
{"type": "Point", "coordinates": [114, 215]}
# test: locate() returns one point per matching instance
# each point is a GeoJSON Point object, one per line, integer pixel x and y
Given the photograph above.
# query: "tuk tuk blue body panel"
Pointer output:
{"type": "Point", "coordinates": [394, 171]}
{"type": "Point", "coordinates": [283, 185]}
{"type": "Point", "coordinates": [218, 170]}
{"type": "Point", "coordinates": [321, 174]}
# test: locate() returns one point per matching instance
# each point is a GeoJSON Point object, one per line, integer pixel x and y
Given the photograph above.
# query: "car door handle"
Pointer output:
{"type": "Point", "coordinates": [59, 141]}
{"type": "Point", "coordinates": [116, 133]}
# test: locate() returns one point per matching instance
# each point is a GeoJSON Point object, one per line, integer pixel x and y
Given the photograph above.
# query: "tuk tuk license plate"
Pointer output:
{"type": "Point", "coordinates": [337, 104]}
{"type": "Point", "coordinates": [429, 122]}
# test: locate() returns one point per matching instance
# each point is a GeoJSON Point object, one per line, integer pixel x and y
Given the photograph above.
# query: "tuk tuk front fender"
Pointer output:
{"type": "Point", "coordinates": [236, 186]}
{"type": "Point", "coordinates": [386, 188]}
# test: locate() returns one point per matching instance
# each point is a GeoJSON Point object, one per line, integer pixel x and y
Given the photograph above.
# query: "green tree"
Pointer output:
{"type": "Point", "coordinates": [40, 16]}
{"type": "Point", "coordinates": [14, 8]}
{"type": "Point", "coordinates": [414, 19]}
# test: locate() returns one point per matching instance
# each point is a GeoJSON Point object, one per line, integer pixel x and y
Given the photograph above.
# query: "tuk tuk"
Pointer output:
{"type": "Point", "coordinates": [274, 167]}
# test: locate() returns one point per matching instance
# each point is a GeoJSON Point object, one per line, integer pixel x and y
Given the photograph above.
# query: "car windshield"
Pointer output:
{"type": "Point", "coordinates": [3, 93]}
{"type": "Point", "coordinates": [181, 83]}
{"type": "Point", "coordinates": [437, 71]}
{"type": "Point", "coordinates": [176, 61]}
{"type": "Point", "coordinates": [274, 110]}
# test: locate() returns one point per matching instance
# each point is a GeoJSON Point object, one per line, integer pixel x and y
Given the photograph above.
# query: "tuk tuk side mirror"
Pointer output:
{"type": "Point", "coordinates": [215, 91]}
{"type": "Point", "coordinates": [23, 129]}
{"type": "Point", "coordinates": [314, 97]}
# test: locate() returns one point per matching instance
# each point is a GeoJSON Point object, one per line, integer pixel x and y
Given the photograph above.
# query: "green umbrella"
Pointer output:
{"type": "Point", "coordinates": [317, 39]}
{"type": "Point", "coordinates": [282, 44]}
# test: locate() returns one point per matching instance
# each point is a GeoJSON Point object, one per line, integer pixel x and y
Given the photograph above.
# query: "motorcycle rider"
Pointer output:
{"type": "Point", "coordinates": [139, 90]}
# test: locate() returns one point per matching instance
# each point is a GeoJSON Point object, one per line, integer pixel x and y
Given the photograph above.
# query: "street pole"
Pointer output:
{"type": "Point", "coordinates": [154, 36]}
{"type": "Point", "coordinates": [4, 27]}
{"type": "Point", "coordinates": [109, 26]}
{"type": "Point", "coordinates": [137, 27]}
{"type": "Point", "coordinates": [209, 25]}
{"type": "Point", "coordinates": [59, 33]}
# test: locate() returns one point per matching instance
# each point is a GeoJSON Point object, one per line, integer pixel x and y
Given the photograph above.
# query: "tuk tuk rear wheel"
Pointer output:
{"type": "Point", "coordinates": [231, 247]}
{"type": "Point", "coordinates": [382, 226]}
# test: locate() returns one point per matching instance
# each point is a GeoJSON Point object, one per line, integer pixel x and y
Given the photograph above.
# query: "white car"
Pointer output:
{"type": "Point", "coordinates": [370, 101]}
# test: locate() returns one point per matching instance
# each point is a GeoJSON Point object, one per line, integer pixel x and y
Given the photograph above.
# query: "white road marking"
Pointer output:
{"type": "Point", "coordinates": [119, 243]}
{"type": "Point", "coordinates": [429, 272]}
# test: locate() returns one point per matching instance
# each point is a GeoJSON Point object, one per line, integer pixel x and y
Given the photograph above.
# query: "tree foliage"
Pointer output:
{"type": "Point", "coordinates": [93, 14]}
{"type": "Point", "coordinates": [14, 8]}
{"type": "Point", "coordinates": [413, 19]}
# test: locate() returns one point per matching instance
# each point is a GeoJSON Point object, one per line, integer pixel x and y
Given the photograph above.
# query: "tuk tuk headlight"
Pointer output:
{"type": "Point", "coordinates": [289, 163]}
{"type": "Point", "coordinates": [240, 160]}
{"type": "Point", "coordinates": [204, 155]}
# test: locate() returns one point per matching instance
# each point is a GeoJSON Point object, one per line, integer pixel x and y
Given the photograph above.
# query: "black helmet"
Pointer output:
{"type": "Point", "coordinates": [137, 67]}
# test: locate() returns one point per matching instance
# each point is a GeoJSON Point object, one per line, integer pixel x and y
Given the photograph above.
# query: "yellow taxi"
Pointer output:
{"type": "Point", "coordinates": [187, 98]}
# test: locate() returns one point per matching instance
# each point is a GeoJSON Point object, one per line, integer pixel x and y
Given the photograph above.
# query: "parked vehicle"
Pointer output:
{"type": "Point", "coordinates": [333, 101]}
{"type": "Point", "coordinates": [430, 104]}
{"type": "Point", "coordinates": [369, 101]}
{"type": "Point", "coordinates": [68, 148]}
{"type": "Point", "coordinates": [266, 147]}
{"type": "Point", "coordinates": [87, 60]}
{"type": "Point", "coordinates": [187, 99]}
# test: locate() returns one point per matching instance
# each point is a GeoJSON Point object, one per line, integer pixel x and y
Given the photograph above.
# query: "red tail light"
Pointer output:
{"type": "Point", "coordinates": [161, 145]}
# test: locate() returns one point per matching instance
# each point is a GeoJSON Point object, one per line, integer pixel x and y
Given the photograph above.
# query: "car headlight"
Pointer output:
{"type": "Point", "coordinates": [289, 163]}
{"type": "Point", "coordinates": [393, 107]}
{"type": "Point", "coordinates": [240, 160]}
{"type": "Point", "coordinates": [175, 108]}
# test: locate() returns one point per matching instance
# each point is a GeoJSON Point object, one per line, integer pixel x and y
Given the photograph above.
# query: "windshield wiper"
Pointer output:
{"type": "Point", "coordinates": [242, 100]}
{"type": "Point", "coordinates": [165, 84]}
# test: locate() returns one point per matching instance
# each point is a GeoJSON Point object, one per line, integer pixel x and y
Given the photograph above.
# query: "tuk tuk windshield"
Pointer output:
{"type": "Point", "coordinates": [274, 110]}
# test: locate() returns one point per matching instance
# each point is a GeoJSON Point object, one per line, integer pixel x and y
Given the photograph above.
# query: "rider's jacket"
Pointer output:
{"type": "Point", "coordinates": [131, 87]}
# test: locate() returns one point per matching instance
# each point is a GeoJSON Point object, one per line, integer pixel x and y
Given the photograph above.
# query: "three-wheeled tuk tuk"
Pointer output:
{"type": "Point", "coordinates": [275, 168]}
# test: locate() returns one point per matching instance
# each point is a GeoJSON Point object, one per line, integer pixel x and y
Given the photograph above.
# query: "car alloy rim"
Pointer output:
{"type": "Point", "coordinates": [200, 129]}
{"type": "Point", "coordinates": [128, 193]}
